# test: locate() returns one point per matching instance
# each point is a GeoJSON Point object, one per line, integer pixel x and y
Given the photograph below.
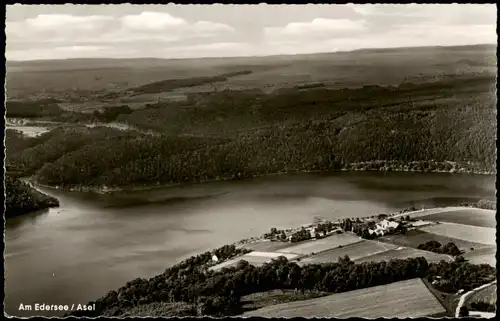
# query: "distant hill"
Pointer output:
{"type": "Point", "coordinates": [37, 79]}
{"type": "Point", "coordinates": [137, 63]}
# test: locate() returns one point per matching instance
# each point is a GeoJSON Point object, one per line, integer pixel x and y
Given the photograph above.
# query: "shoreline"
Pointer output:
{"type": "Point", "coordinates": [137, 188]}
{"type": "Point", "coordinates": [414, 214]}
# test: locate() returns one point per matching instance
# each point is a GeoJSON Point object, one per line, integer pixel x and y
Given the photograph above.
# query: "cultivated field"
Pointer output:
{"type": "Point", "coordinates": [316, 246]}
{"type": "Point", "coordinates": [404, 253]}
{"type": "Point", "coordinates": [354, 251]}
{"type": "Point", "coordinates": [488, 295]}
{"type": "Point", "coordinates": [413, 238]}
{"type": "Point", "coordinates": [266, 246]}
{"type": "Point", "coordinates": [466, 216]}
{"type": "Point", "coordinates": [484, 235]}
{"type": "Point", "coordinates": [485, 255]}
{"type": "Point", "coordinates": [254, 258]}
{"type": "Point", "coordinates": [263, 299]}
{"type": "Point", "coordinates": [403, 299]}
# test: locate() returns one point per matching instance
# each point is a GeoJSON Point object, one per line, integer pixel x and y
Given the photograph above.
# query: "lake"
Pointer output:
{"type": "Point", "coordinates": [95, 243]}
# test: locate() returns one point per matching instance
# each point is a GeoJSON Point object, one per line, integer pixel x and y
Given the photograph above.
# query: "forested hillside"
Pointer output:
{"type": "Point", "coordinates": [448, 125]}
{"type": "Point", "coordinates": [20, 198]}
{"type": "Point", "coordinates": [190, 289]}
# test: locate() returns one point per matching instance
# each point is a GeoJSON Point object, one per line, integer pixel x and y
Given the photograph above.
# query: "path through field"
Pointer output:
{"type": "Point", "coordinates": [466, 295]}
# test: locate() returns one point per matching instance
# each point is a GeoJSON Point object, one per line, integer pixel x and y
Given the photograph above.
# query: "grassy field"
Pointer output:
{"type": "Point", "coordinates": [354, 251]}
{"type": "Point", "coordinates": [254, 258]}
{"type": "Point", "coordinates": [488, 295]}
{"type": "Point", "coordinates": [262, 299]}
{"type": "Point", "coordinates": [266, 246]}
{"type": "Point", "coordinates": [485, 255]}
{"type": "Point", "coordinates": [403, 299]}
{"type": "Point", "coordinates": [484, 235]}
{"type": "Point", "coordinates": [403, 253]}
{"type": "Point", "coordinates": [413, 238]}
{"type": "Point", "coordinates": [466, 216]}
{"type": "Point", "coordinates": [316, 246]}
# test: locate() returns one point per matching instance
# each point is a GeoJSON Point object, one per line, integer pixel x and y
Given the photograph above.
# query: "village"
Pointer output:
{"type": "Point", "coordinates": [322, 236]}
{"type": "Point", "coordinates": [366, 227]}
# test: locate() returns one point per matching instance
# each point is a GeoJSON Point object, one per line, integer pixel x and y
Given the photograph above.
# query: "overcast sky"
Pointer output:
{"type": "Point", "coordinates": [175, 31]}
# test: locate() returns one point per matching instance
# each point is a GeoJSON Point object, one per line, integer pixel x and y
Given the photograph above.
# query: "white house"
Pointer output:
{"type": "Point", "coordinates": [215, 258]}
{"type": "Point", "coordinates": [386, 224]}
{"type": "Point", "coordinates": [312, 231]}
{"type": "Point", "coordinates": [377, 231]}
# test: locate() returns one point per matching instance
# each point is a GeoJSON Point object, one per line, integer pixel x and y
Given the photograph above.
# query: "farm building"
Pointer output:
{"type": "Point", "coordinates": [378, 231]}
{"type": "Point", "coordinates": [381, 228]}
{"type": "Point", "coordinates": [386, 224]}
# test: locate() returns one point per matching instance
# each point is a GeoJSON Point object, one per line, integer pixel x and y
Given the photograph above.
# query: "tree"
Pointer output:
{"type": "Point", "coordinates": [464, 312]}
{"type": "Point", "coordinates": [451, 249]}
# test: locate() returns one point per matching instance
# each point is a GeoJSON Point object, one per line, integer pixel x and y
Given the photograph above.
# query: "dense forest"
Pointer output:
{"type": "Point", "coordinates": [38, 108]}
{"type": "Point", "coordinates": [25, 155]}
{"type": "Point", "coordinates": [448, 125]}
{"type": "Point", "coordinates": [20, 198]}
{"type": "Point", "coordinates": [200, 291]}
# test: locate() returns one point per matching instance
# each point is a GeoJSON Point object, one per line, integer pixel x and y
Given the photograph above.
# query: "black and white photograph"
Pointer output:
{"type": "Point", "coordinates": [232, 161]}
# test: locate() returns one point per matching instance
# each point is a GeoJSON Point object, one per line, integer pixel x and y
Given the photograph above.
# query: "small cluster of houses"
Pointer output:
{"type": "Point", "coordinates": [376, 228]}
{"type": "Point", "coordinates": [383, 227]}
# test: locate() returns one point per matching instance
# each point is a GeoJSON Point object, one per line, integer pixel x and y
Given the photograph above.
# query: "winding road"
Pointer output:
{"type": "Point", "coordinates": [466, 295]}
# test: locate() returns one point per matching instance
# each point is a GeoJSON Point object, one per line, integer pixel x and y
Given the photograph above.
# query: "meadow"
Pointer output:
{"type": "Point", "coordinates": [403, 253]}
{"type": "Point", "coordinates": [413, 238]}
{"type": "Point", "coordinates": [253, 258]}
{"type": "Point", "coordinates": [316, 246]}
{"type": "Point", "coordinates": [467, 216]}
{"type": "Point", "coordinates": [354, 251]}
{"type": "Point", "coordinates": [402, 299]}
{"type": "Point", "coordinates": [266, 246]}
{"type": "Point", "coordinates": [485, 255]}
{"type": "Point", "coordinates": [476, 234]}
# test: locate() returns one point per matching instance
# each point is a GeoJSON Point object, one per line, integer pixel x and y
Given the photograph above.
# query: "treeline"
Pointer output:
{"type": "Point", "coordinates": [20, 198]}
{"type": "Point", "coordinates": [434, 246]}
{"type": "Point", "coordinates": [32, 109]}
{"type": "Point", "coordinates": [300, 236]}
{"type": "Point", "coordinates": [487, 204]}
{"type": "Point", "coordinates": [219, 293]}
{"type": "Point", "coordinates": [170, 84]}
{"type": "Point", "coordinates": [110, 114]}
{"type": "Point", "coordinates": [458, 275]}
{"type": "Point", "coordinates": [482, 306]}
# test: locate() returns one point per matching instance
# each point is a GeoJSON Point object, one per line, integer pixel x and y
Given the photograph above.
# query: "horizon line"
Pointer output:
{"type": "Point", "coordinates": [254, 56]}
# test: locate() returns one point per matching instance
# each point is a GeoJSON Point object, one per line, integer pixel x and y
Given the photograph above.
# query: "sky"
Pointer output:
{"type": "Point", "coordinates": [176, 31]}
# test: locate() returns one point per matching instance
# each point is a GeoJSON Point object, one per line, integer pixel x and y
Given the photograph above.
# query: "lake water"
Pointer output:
{"type": "Point", "coordinates": [95, 243]}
